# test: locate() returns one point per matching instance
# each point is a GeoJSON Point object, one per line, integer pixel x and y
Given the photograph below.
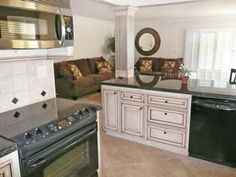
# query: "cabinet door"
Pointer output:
{"type": "Point", "coordinates": [132, 119]}
{"type": "Point", "coordinates": [5, 170]}
{"type": "Point", "coordinates": [110, 100]}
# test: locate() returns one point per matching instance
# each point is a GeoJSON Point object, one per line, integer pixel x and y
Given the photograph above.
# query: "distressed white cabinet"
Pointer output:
{"type": "Point", "coordinates": [155, 118]}
{"type": "Point", "coordinates": [110, 103]}
{"type": "Point", "coordinates": [132, 119]}
{"type": "Point", "coordinates": [9, 165]}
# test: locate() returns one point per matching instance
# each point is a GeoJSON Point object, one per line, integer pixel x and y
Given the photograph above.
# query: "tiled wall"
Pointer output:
{"type": "Point", "coordinates": [25, 82]}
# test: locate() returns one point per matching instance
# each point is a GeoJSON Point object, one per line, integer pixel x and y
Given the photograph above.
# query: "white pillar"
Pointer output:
{"type": "Point", "coordinates": [124, 37]}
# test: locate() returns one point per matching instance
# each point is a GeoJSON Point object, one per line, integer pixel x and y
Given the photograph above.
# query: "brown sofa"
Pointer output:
{"type": "Point", "coordinates": [67, 87]}
{"type": "Point", "coordinates": [159, 69]}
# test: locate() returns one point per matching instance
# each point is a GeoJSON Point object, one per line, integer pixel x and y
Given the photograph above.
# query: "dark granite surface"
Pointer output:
{"type": "Point", "coordinates": [35, 115]}
{"type": "Point", "coordinates": [6, 146]}
{"type": "Point", "coordinates": [195, 87]}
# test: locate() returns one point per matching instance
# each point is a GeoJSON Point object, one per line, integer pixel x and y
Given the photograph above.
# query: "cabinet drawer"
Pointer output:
{"type": "Point", "coordinates": [167, 117]}
{"type": "Point", "coordinates": [168, 101]}
{"type": "Point", "coordinates": [167, 136]}
{"type": "Point", "coordinates": [132, 96]}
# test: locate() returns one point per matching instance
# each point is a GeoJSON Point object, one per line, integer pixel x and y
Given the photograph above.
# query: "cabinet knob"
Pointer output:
{"type": "Point", "coordinates": [166, 101]}
{"type": "Point", "coordinates": [115, 93]}
{"type": "Point", "coordinates": [165, 113]}
{"type": "Point", "coordinates": [164, 132]}
{"type": "Point", "coordinates": [131, 96]}
{"type": "Point", "coordinates": [141, 108]}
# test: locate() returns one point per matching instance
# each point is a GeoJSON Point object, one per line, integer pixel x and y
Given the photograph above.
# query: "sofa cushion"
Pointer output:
{"type": "Point", "coordinates": [83, 66]}
{"type": "Point", "coordinates": [157, 63]}
{"type": "Point", "coordinates": [92, 64]}
{"type": "Point", "coordinates": [63, 70]}
{"type": "Point", "coordinates": [101, 77]}
{"type": "Point", "coordinates": [84, 82]}
{"type": "Point", "coordinates": [75, 71]}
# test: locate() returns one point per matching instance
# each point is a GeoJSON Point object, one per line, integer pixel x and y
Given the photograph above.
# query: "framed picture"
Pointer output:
{"type": "Point", "coordinates": [232, 79]}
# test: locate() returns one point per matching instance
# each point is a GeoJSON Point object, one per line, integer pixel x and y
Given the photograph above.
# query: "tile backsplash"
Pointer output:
{"type": "Point", "coordinates": [25, 82]}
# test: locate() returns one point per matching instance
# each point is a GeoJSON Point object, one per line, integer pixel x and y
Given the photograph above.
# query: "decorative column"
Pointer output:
{"type": "Point", "coordinates": [124, 37]}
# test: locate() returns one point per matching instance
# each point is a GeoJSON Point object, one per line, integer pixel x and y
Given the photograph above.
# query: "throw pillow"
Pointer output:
{"type": "Point", "coordinates": [170, 68]}
{"type": "Point", "coordinates": [146, 65]}
{"type": "Point", "coordinates": [169, 65]}
{"type": "Point", "coordinates": [103, 67]}
{"type": "Point", "coordinates": [75, 71]}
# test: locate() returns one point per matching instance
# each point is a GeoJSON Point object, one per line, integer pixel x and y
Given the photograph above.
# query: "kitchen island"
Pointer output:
{"type": "Point", "coordinates": [157, 112]}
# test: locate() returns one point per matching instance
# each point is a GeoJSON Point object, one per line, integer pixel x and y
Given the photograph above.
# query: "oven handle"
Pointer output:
{"type": "Point", "coordinates": [41, 160]}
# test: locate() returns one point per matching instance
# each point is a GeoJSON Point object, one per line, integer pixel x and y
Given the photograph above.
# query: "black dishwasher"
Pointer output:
{"type": "Point", "coordinates": [213, 130]}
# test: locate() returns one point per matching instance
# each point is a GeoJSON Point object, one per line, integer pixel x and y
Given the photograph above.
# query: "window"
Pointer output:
{"type": "Point", "coordinates": [210, 53]}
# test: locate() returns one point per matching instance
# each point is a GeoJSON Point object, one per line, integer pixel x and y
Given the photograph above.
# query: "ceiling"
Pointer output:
{"type": "Point", "coordinates": [139, 3]}
{"type": "Point", "coordinates": [101, 9]}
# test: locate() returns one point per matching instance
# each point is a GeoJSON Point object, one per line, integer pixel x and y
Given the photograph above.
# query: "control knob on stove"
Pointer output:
{"type": "Point", "coordinates": [71, 118]}
{"type": "Point", "coordinates": [86, 110]}
{"type": "Point", "coordinates": [38, 132]}
{"type": "Point", "coordinates": [28, 136]}
{"type": "Point", "coordinates": [53, 127]}
{"type": "Point", "coordinates": [79, 114]}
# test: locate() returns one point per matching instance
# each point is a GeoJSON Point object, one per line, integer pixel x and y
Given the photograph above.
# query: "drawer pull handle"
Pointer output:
{"type": "Point", "coordinates": [166, 101]}
{"type": "Point", "coordinates": [165, 113]}
{"type": "Point", "coordinates": [164, 132]}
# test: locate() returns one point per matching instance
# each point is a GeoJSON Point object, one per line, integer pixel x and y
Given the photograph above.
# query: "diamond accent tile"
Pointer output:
{"type": "Point", "coordinates": [44, 105]}
{"type": "Point", "coordinates": [17, 114]}
{"type": "Point", "coordinates": [43, 93]}
{"type": "Point", "coordinates": [14, 100]}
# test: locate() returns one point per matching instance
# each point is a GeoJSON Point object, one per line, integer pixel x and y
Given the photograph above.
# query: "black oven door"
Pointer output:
{"type": "Point", "coordinates": [74, 156]}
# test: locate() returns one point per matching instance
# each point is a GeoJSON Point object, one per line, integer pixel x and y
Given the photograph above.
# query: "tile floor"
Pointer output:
{"type": "Point", "coordinates": [121, 158]}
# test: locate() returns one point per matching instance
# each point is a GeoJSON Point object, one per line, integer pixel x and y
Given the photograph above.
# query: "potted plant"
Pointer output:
{"type": "Point", "coordinates": [111, 48]}
{"type": "Point", "coordinates": [184, 73]}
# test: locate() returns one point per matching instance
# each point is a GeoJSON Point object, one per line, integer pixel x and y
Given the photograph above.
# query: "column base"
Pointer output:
{"type": "Point", "coordinates": [125, 73]}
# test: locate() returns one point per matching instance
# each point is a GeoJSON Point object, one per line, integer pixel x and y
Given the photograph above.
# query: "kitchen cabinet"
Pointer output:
{"type": "Point", "coordinates": [155, 118]}
{"type": "Point", "coordinates": [9, 165]}
{"type": "Point", "coordinates": [6, 169]}
{"type": "Point", "coordinates": [132, 119]}
{"type": "Point", "coordinates": [110, 103]}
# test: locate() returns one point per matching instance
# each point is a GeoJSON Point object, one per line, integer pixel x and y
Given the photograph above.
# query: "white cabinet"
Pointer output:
{"type": "Point", "coordinates": [9, 165]}
{"type": "Point", "coordinates": [132, 119]}
{"type": "Point", "coordinates": [110, 103]}
{"type": "Point", "coordinates": [6, 169]}
{"type": "Point", "coordinates": [155, 118]}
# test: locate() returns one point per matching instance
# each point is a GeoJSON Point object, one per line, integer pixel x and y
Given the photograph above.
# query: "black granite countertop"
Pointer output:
{"type": "Point", "coordinates": [6, 146]}
{"type": "Point", "coordinates": [203, 88]}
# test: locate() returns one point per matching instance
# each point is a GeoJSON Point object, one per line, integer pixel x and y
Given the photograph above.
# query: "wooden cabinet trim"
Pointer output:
{"type": "Point", "coordinates": [141, 112]}
{"type": "Point", "coordinates": [166, 141]}
{"type": "Point", "coordinates": [6, 169]}
{"type": "Point", "coordinates": [168, 101]}
{"type": "Point", "coordinates": [131, 96]}
{"type": "Point", "coordinates": [167, 121]}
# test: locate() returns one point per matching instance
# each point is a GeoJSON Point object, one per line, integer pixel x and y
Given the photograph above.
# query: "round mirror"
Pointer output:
{"type": "Point", "coordinates": [147, 41]}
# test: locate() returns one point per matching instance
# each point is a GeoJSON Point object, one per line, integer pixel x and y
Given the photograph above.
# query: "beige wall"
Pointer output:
{"type": "Point", "coordinates": [172, 31]}
{"type": "Point", "coordinates": [90, 36]}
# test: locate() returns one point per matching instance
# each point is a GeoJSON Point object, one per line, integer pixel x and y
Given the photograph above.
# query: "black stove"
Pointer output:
{"type": "Point", "coordinates": [38, 127]}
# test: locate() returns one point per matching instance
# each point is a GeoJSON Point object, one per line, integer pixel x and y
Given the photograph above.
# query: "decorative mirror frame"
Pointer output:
{"type": "Point", "coordinates": [157, 39]}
